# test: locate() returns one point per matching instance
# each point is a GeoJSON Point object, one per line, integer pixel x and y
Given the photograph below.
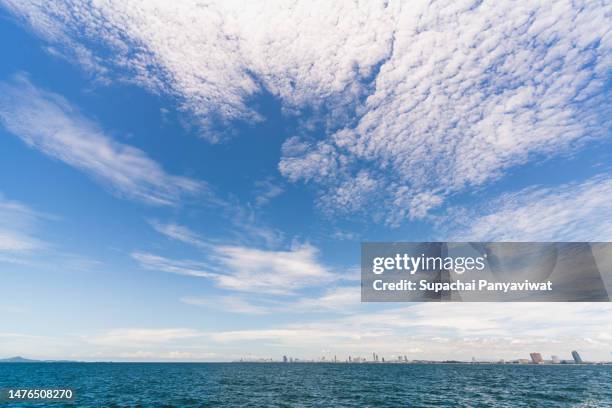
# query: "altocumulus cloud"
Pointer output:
{"type": "Point", "coordinates": [570, 212]}
{"type": "Point", "coordinates": [47, 122]}
{"type": "Point", "coordinates": [422, 99]}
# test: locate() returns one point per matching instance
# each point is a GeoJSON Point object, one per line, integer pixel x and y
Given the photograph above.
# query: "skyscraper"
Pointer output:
{"type": "Point", "coordinates": [536, 358]}
{"type": "Point", "coordinates": [577, 358]}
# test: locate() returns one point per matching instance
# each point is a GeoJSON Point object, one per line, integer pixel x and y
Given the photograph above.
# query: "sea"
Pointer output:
{"type": "Point", "coordinates": [313, 384]}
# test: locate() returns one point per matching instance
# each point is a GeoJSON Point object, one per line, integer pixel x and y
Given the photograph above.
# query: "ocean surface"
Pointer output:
{"type": "Point", "coordinates": [314, 385]}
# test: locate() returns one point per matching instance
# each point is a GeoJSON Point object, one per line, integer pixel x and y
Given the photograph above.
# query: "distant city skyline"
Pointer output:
{"type": "Point", "coordinates": [535, 358]}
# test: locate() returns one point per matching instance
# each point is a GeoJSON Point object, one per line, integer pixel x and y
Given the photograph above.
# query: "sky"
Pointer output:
{"type": "Point", "coordinates": [191, 181]}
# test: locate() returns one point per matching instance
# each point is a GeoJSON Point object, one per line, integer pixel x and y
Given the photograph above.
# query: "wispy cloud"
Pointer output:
{"type": "Point", "coordinates": [23, 241]}
{"type": "Point", "coordinates": [12, 241]}
{"type": "Point", "coordinates": [249, 269]}
{"type": "Point", "coordinates": [245, 228]}
{"type": "Point", "coordinates": [569, 212]}
{"type": "Point", "coordinates": [135, 337]}
{"type": "Point", "coordinates": [335, 300]}
{"type": "Point", "coordinates": [47, 122]}
{"type": "Point", "coordinates": [266, 190]}
{"type": "Point", "coordinates": [241, 267]}
{"type": "Point", "coordinates": [17, 222]}
{"type": "Point", "coordinates": [179, 267]}
{"type": "Point", "coordinates": [227, 304]}
{"type": "Point", "coordinates": [344, 299]}
{"type": "Point", "coordinates": [116, 344]}
{"type": "Point", "coordinates": [179, 233]}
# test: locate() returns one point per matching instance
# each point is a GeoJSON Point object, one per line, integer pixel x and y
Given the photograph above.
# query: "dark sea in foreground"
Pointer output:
{"type": "Point", "coordinates": [314, 385]}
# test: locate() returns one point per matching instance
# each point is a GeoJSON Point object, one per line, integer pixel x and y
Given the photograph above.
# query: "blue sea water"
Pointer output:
{"type": "Point", "coordinates": [314, 385]}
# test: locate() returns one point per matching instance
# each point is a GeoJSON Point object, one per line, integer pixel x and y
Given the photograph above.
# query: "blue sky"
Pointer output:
{"type": "Point", "coordinates": [191, 183]}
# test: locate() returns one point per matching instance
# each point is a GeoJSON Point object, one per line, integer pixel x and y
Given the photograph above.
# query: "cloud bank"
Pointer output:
{"type": "Point", "coordinates": [500, 330]}
{"type": "Point", "coordinates": [418, 100]}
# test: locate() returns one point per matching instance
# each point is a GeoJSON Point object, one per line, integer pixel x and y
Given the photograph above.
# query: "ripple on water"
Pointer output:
{"type": "Point", "coordinates": [318, 385]}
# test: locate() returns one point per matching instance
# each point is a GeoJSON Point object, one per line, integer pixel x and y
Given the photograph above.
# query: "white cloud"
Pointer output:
{"type": "Point", "coordinates": [466, 93]}
{"type": "Point", "coordinates": [344, 299]}
{"type": "Point", "coordinates": [117, 344]}
{"type": "Point", "coordinates": [17, 223]}
{"type": "Point", "coordinates": [345, 235]}
{"type": "Point", "coordinates": [179, 233]}
{"type": "Point", "coordinates": [48, 123]}
{"type": "Point", "coordinates": [430, 98]}
{"type": "Point", "coordinates": [132, 337]}
{"type": "Point", "coordinates": [23, 242]}
{"type": "Point", "coordinates": [570, 212]}
{"type": "Point", "coordinates": [266, 191]}
{"type": "Point", "coordinates": [7, 335]}
{"type": "Point", "coordinates": [249, 269]}
{"type": "Point", "coordinates": [225, 52]}
{"type": "Point", "coordinates": [179, 267]}
{"type": "Point", "coordinates": [16, 241]}
{"type": "Point", "coordinates": [248, 229]}
{"type": "Point", "coordinates": [424, 330]}
{"type": "Point", "coordinates": [443, 331]}
{"type": "Point", "coordinates": [231, 304]}
{"type": "Point", "coordinates": [413, 206]}
{"type": "Point", "coordinates": [162, 355]}
{"type": "Point", "coordinates": [270, 271]}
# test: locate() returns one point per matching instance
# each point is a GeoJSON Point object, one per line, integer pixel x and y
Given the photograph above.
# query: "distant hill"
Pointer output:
{"type": "Point", "coordinates": [18, 359]}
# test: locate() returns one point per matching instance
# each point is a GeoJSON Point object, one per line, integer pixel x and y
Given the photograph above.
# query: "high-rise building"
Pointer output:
{"type": "Point", "coordinates": [536, 358]}
{"type": "Point", "coordinates": [284, 359]}
{"type": "Point", "coordinates": [576, 357]}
